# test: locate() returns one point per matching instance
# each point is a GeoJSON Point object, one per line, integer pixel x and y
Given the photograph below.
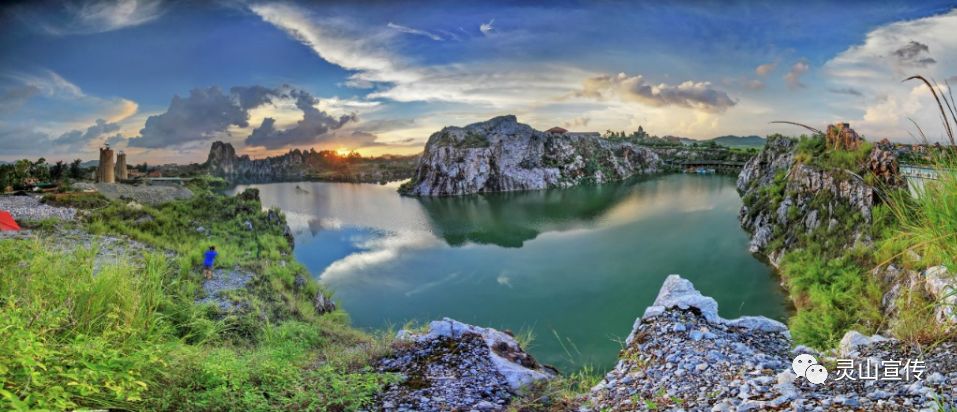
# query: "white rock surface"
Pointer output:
{"type": "Point", "coordinates": [678, 292]}
{"type": "Point", "coordinates": [501, 155]}
{"type": "Point", "coordinates": [942, 285]}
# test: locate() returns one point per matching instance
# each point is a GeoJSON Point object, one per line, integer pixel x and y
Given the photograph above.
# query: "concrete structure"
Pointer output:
{"type": "Point", "coordinates": [121, 172]}
{"type": "Point", "coordinates": [105, 170]}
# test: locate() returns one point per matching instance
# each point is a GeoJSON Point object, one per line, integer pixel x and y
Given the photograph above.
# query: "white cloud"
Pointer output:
{"type": "Point", "coordinates": [93, 16]}
{"type": "Point", "coordinates": [793, 78]}
{"type": "Point", "coordinates": [765, 69]}
{"type": "Point", "coordinates": [337, 42]}
{"type": "Point", "coordinates": [370, 55]}
{"type": "Point", "coordinates": [409, 30]}
{"type": "Point", "coordinates": [487, 28]}
{"type": "Point", "coordinates": [689, 94]}
{"type": "Point", "coordinates": [876, 67]}
{"type": "Point", "coordinates": [49, 83]}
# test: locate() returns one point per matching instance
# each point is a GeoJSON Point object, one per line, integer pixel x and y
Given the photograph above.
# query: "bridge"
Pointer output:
{"type": "Point", "coordinates": [921, 172]}
{"type": "Point", "coordinates": [719, 166]}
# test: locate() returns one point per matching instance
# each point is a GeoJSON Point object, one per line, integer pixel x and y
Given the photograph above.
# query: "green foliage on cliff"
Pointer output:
{"type": "Point", "coordinates": [813, 151]}
{"type": "Point", "coordinates": [471, 140]}
{"type": "Point", "coordinates": [130, 335]}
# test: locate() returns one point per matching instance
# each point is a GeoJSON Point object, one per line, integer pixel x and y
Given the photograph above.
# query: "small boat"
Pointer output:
{"type": "Point", "coordinates": [301, 190]}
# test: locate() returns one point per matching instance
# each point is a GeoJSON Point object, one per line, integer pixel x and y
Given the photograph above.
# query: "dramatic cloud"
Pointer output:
{"type": "Point", "coordinates": [793, 78]}
{"type": "Point", "coordinates": [914, 54]}
{"type": "Point", "coordinates": [876, 67]}
{"type": "Point", "coordinates": [201, 115]}
{"type": "Point", "coordinates": [47, 83]}
{"type": "Point", "coordinates": [209, 113]}
{"type": "Point", "coordinates": [487, 28]}
{"type": "Point", "coordinates": [24, 140]}
{"type": "Point", "coordinates": [693, 95]}
{"type": "Point", "coordinates": [765, 69]}
{"type": "Point", "coordinates": [336, 42]}
{"type": "Point", "coordinates": [80, 139]}
{"type": "Point", "coordinates": [846, 90]}
{"type": "Point", "coordinates": [251, 97]}
{"type": "Point", "coordinates": [409, 30]}
{"type": "Point", "coordinates": [368, 53]}
{"type": "Point", "coordinates": [313, 127]}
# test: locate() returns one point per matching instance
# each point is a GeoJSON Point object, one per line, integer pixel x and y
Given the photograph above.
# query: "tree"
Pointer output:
{"type": "Point", "coordinates": [40, 169]}
{"type": "Point", "coordinates": [75, 170]}
{"type": "Point", "coordinates": [56, 172]}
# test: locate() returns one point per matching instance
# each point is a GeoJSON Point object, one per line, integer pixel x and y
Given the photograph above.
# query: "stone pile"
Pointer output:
{"type": "Point", "coordinates": [30, 208]}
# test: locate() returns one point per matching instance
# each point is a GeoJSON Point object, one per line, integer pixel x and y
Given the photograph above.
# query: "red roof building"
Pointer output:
{"type": "Point", "coordinates": [556, 130]}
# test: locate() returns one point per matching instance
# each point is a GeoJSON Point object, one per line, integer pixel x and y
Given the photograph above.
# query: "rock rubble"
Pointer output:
{"type": "Point", "coordinates": [682, 356]}
{"type": "Point", "coordinates": [456, 366]}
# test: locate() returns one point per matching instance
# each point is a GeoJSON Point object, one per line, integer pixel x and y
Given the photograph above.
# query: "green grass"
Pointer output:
{"type": "Point", "coordinates": [131, 337]}
{"type": "Point", "coordinates": [813, 150]}
{"type": "Point", "coordinates": [927, 222]}
{"type": "Point", "coordinates": [832, 296]}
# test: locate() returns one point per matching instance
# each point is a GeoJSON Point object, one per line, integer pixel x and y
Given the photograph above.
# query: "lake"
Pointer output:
{"type": "Point", "coordinates": [574, 266]}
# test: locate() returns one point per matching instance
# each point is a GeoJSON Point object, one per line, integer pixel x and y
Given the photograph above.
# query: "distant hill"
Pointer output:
{"type": "Point", "coordinates": [727, 140]}
{"type": "Point", "coordinates": [732, 140]}
{"type": "Point", "coordinates": [90, 163]}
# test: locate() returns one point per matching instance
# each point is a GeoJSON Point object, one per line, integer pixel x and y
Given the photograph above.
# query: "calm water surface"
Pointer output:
{"type": "Point", "coordinates": [574, 266]}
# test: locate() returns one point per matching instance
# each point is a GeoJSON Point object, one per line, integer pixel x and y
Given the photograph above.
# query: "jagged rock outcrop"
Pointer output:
{"type": "Point", "coordinates": [306, 164]}
{"type": "Point", "coordinates": [785, 200]}
{"type": "Point", "coordinates": [223, 161]}
{"type": "Point", "coordinates": [681, 355]}
{"type": "Point", "coordinates": [456, 366]}
{"type": "Point", "coordinates": [502, 154]}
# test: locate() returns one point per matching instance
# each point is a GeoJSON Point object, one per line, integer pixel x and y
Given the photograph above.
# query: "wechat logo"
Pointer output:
{"type": "Point", "coordinates": [806, 365]}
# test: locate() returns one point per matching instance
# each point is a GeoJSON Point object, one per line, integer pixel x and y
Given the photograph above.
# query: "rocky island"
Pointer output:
{"type": "Point", "coordinates": [501, 155]}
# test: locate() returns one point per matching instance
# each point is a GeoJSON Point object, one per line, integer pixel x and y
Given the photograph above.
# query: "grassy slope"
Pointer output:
{"type": "Point", "coordinates": [830, 280]}
{"type": "Point", "coordinates": [131, 336]}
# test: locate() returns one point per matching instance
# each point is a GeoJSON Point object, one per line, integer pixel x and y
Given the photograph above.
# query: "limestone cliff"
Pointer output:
{"type": "Point", "coordinates": [786, 200]}
{"type": "Point", "coordinates": [502, 154]}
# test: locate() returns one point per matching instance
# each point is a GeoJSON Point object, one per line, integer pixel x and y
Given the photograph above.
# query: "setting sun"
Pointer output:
{"type": "Point", "coordinates": [342, 151]}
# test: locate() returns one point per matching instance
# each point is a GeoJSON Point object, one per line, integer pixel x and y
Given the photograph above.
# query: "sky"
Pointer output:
{"type": "Point", "coordinates": [161, 80]}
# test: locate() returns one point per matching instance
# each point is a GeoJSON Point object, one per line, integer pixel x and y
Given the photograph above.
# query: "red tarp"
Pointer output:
{"type": "Point", "coordinates": [7, 222]}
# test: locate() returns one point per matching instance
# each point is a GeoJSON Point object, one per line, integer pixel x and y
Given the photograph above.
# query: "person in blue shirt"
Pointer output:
{"type": "Point", "coordinates": [209, 259]}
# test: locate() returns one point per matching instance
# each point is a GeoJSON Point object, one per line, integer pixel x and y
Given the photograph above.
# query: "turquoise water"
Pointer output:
{"type": "Point", "coordinates": [574, 266]}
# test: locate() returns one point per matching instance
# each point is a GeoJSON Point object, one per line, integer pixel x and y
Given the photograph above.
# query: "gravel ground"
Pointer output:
{"type": "Point", "coordinates": [223, 281]}
{"type": "Point", "coordinates": [146, 194]}
{"type": "Point", "coordinates": [30, 208]}
{"type": "Point", "coordinates": [110, 249]}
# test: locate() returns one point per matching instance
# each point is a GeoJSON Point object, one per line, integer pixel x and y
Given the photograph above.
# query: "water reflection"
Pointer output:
{"type": "Point", "coordinates": [577, 265]}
